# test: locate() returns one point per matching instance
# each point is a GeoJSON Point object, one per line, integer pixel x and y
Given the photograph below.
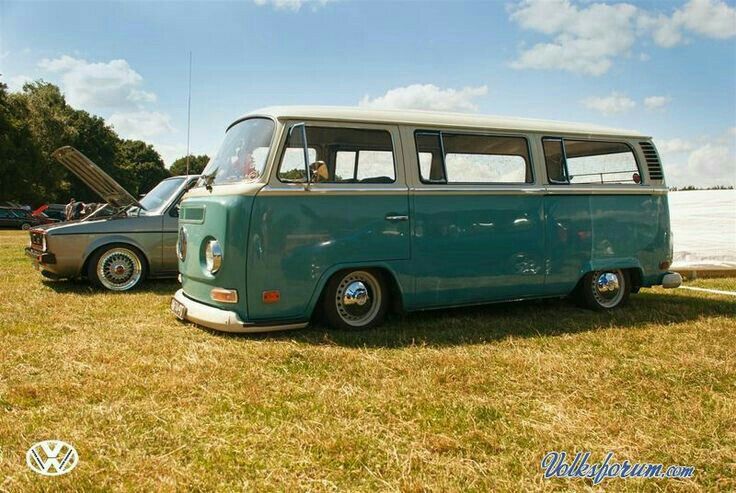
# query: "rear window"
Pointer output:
{"type": "Point", "coordinates": [466, 158]}
{"type": "Point", "coordinates": [340, 155]}
{"type": "Point", "coordinates": [590, 162]}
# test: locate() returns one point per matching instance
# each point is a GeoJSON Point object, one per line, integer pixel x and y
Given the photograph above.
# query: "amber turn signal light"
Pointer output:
{"type": "Point", "coordinates": [224, 295]}
{"type": "Point", "coordinates": [271, 296]}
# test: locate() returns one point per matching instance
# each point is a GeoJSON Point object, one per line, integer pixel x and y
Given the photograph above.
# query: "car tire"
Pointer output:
{"type": "Point", "coordinates": [25, 226]}
{"type": "Point", "coordinates": [356, 299]}
{"type": "Point", "coordinates": [606, 289]}
{"type": "Point", "coordinates": [117, 267]}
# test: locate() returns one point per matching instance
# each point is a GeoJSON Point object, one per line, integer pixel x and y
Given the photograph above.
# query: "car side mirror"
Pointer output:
{"type": "Point", "coordinates": [174, 212]}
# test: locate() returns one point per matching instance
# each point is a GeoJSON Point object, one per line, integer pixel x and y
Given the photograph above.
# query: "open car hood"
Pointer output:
{"type": "Point", "coordinates": [96, 179]}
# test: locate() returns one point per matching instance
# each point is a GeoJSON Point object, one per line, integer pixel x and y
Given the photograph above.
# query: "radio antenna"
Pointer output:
{"type": "Point", "coordinates": [189, 108]}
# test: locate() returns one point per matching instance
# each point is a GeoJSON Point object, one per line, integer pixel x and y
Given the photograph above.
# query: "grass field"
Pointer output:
{"type": "Point", "coordinates": [460, 400]}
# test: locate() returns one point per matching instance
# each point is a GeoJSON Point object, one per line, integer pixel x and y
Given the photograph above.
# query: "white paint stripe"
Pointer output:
{"type": "Point", "coordinates": [714, 291]}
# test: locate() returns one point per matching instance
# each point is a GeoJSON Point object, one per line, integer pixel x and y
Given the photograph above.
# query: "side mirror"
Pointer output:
{"type": "Point", "coordinates": [174, 212]}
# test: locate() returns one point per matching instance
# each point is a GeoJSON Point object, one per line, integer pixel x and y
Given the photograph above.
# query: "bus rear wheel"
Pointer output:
{"type": "Point", "coordinates": [356, 299]}
{"type": "Point", "coordinates": [605, 289]}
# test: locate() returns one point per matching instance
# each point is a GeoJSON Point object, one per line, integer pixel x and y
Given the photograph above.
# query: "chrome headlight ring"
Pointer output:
{"type": "Point", "coordinates": [181, 244]}
{"type": "Point", "coordinates": [213, 256]}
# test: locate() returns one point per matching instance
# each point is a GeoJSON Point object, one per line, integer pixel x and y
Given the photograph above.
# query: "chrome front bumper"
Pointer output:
{"type": "Point", "coordinates": [225, 320]}
{"type": "Point", "coordinates": [671, 280]}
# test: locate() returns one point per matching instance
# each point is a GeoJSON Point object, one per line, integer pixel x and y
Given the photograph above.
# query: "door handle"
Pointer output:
{"type": "Point", "coordinates": [395, 218]}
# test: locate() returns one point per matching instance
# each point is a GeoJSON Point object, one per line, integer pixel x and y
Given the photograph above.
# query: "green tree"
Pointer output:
{"type": "Point", "coordinates": [20, 171]}
{"type": "Point", "coordinates": [53, 124]}
{"type": "Point", "coordinates": [143, 163]}
{"type": "Point", "coordinates": [36, 121]}
{"type": "Point", "coordinates": [196, 165]}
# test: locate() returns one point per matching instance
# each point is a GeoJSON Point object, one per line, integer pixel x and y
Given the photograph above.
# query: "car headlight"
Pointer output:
{"type": "Point", "coordinates": [213, 256]}
{"type": "Point", "coordinates": [181, 244]}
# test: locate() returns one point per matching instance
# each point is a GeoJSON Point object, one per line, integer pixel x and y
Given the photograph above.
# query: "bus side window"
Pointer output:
{"type": "Point", "coordinates": [590, 162]}
{"type": "Point", "coordinates": [554, 159]}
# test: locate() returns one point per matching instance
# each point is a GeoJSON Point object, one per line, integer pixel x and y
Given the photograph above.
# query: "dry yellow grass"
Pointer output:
{"type": "Point", "coordinates": [463, 400]}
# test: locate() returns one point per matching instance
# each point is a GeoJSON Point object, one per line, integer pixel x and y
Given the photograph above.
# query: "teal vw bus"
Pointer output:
{"type": "Point", "coordinates": [362, 211]}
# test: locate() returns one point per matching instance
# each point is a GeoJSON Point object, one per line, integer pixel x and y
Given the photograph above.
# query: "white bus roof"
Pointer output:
{"type": "Point", "coordinates": [439, 119]}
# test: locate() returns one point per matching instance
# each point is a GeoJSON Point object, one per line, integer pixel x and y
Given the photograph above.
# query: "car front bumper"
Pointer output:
{"type": "Point", "coordinates": [42, 258]}
{"type": "Point", "coordinates": [224, 320]}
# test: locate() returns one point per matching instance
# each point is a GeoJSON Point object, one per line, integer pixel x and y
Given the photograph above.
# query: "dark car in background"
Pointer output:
{"type": "Point", "coordinates": [16, 218]}
{"type": "Point", "coordinates": [54, 211]}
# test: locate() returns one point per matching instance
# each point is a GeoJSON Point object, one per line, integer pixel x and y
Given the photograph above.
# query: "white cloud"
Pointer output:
{"type": "Point", "coordinates": [98, 86]}
{"type": "Point", "coordinates": [140, 124]}
{"type": "Point", "coordinates": [171, 152]}
{"type": "Point", "coordinates": [665, 32]}
{"type": "Point", "coordinates": [427, 97]}
{"type": "Point", "coordinates": [586, 38]}
{"type": "Point", "coordinates": [713, 161]}
{"type": "Point", "coordinates": [16, 82]}
{"type": "Point", "coordinates": [609, 105]}
{"type": "Point", "coordinates": [707, 162]}
{"type": "Point", "coordinates": [672, 146]}
{"type": "Point", "coordinates": [293, 5]}
{"type": "Point", "coordinates": [711, 18]}
{"type": "Point", "coordinates": [656, 102]}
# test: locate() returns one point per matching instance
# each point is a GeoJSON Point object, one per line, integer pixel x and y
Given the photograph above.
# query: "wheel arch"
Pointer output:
{"type": "Point", "coordinates": [387, 272]}
{"type": "Point", "coordinates": [109, 241]}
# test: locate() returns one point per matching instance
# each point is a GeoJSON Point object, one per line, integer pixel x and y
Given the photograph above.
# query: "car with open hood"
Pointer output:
{"type": "Point", "coordinates": [117, 251]}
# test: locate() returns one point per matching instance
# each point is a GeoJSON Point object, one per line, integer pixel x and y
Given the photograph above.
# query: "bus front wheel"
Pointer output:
{"type": "Point", "coordinates": [356, 299]}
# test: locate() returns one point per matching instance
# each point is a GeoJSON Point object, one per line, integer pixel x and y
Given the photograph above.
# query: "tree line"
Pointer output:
{"type": "Point", "coordinates": [37, 120]}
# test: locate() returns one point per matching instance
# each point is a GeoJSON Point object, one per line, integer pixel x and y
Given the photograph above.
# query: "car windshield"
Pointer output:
{"type": "Point", "coordinates": [157, 198]}
{"type": "Point", "coordinates": [242, 155]}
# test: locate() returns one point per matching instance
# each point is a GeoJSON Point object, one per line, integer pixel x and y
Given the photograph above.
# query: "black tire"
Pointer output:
{"type": "Point", "coordinates": [366, 295]}
{"type": "Point", "coordinates": [25, 226]}
{"type": "Point", "coordinates": [103, 271]}
{"type": "Point", "coordinates": [606, 289]}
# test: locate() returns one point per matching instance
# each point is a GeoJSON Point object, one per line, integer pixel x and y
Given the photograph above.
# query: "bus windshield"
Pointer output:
{"type": "Point", "coordinates": [242, 155]}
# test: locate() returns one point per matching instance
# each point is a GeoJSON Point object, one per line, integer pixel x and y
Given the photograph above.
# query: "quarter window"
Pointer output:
{"type": "Point", "coordinates": [462, 158]}
{"type": "Point", "coordinates": [340, 155]}
{"type": "Point", "coordinates": [590, 162]}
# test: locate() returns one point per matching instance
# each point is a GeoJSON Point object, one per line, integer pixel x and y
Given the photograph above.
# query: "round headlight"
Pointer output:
{"type": "Point", "coordinates": [181, 244]}
{"type": "Point", "coordinates": [213, 256]}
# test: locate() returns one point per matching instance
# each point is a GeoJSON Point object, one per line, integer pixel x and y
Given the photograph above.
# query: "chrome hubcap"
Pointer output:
{"type": "Point", "coordinates": [607, 288]}
{"type": "Point", "coordinates": [355, 294]}
{"type": "Point", "coordinates": [358, 298]}
{"type": "Point", "coordinates": [119, 269]}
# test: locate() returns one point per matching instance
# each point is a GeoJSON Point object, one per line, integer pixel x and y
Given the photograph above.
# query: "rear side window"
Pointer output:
{"type": "Point", "coordinates": [590, 162]}
{"type": "Point", "coordinates": [465, 158]}
{"type": "Point", "coordinates": [340, 155]}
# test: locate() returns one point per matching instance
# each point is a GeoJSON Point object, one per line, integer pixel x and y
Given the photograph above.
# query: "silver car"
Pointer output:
{"type": "Point", "coordinates": [117, 252]}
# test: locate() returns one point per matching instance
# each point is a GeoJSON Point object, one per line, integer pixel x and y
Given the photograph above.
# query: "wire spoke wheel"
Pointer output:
{"type": "Point", "coordinates": [358, 298]}
{"type": "Point", "coordinates": [608, 287]}
{"type": "Point", "coordinates": [119, 269]}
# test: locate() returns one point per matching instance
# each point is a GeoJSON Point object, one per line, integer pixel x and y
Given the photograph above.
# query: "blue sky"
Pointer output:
{"type": "Point", "coordinates": [665, 68]}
